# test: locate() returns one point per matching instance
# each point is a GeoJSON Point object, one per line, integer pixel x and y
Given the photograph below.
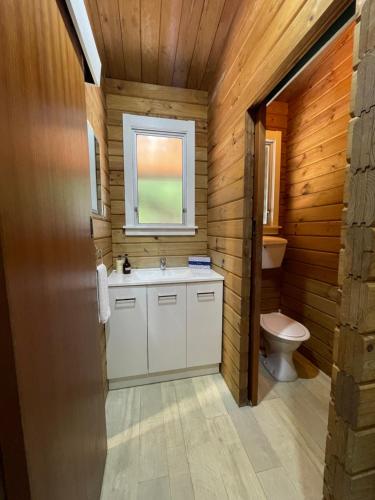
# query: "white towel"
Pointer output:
{"type": "Point", "coordinates": [103, 295]}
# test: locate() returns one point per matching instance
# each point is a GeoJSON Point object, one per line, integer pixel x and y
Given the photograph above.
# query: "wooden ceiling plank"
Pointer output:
{"type": "Point", "coordinates": [130, 21]}
{"type": "Point", "coordinates": [169, 28]}
{"type": "Point", "coordinates": [206, 34]}
{"type": "Point", "coordinates": [94, 17]}
{"type": "Point", "coordinates": [150, 34]}
{"type": "Point", "coordinates": [167, 42]}
{"type": "Point", "coordinates": [111, 29]}
{"type": "Point", "coordinates": [229, 11]}
{"type": "Point", "coordinates": [190, 19]}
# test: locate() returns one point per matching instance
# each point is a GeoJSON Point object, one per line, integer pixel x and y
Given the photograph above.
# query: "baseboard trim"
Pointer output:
{"type": "Point", "coordinates": [153, 378]}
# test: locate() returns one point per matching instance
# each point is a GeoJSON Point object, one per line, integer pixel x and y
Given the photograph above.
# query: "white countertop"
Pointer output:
{"type": "Point", "coordinates": [155, 276]}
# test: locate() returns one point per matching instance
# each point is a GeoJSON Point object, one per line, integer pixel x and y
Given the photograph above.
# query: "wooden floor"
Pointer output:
{"type": "Point", "coordinates": [188, 439]}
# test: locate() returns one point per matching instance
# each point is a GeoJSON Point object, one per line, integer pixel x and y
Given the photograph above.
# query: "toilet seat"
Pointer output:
{"type": "Point", "coordinates": [282, 326]}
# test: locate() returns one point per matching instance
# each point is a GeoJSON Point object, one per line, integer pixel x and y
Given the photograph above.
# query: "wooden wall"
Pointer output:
{"type": "Point", "coordinates": [168, 102]}
{"type": "Point", "coordinates": [97, 116]}
{"type": "Point", "coordinates": [316, 160]}
{"type": "Point", "coordinates": [350, 452]}
{"type": "Point", "coordinates": [276, 119]}
{"type": "Point", "coordinates": [265, 41]}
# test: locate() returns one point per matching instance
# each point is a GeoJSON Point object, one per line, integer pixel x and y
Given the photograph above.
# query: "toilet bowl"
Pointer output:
{"type": "Point", "coordinates": [282, 335]}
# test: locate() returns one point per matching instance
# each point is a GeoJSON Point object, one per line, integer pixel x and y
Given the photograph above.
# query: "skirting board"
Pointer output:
{"type": "Point", "coordinates": [153, 378]}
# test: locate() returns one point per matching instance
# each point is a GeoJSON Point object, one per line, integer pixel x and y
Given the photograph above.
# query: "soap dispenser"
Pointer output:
{"type": "Point", "coordinates": [126, 267]}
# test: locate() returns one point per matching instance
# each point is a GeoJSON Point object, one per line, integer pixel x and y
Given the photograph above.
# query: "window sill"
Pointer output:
{"type": "Point", "coordinates": [160, 231]}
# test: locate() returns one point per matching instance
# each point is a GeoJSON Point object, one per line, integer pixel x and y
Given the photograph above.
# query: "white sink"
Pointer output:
{"type": "Point", "coordinates": [170, 275]}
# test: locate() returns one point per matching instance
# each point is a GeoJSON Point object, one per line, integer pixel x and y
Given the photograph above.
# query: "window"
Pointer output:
{"type": "Point", "coordinates": [272, 180]}
{"type": "Point", "coordinates": [95, 178]}
{"type": "Point", "coordinates": [159, 160]}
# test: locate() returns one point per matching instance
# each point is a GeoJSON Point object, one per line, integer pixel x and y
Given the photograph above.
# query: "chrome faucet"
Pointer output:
{"type": "Point", "coordinates": [163, 263]}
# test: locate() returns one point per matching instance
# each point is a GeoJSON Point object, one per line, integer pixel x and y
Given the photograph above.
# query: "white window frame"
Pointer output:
{"type": "Point", "coordinates": [134, 125]}
{"type": "Point", "coordinates": [271, 217]}
{"type": "Point", "coordinates": [92, 163]}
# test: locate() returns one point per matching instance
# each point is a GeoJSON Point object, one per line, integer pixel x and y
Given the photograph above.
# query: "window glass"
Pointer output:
{"type": "Point", "coordinates": [159, 179]}
{"type": "Point", "coordinates": [272, 162]}
{"type": "Point", "coordinates": [95, 179]}
{"type": "Point", "coordinates": [267, 168]}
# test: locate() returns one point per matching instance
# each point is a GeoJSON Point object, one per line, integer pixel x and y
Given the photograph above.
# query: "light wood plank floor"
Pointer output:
{"type": "Point", "coordinates": [187, 439]}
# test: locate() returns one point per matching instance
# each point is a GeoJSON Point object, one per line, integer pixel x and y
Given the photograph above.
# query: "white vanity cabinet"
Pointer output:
{"type": "Point", "coordinates": [164, 325]}
{"type": "Point", "coordinates": [127, 332]}
{"type": "Point", "coordinates": [204, 324]}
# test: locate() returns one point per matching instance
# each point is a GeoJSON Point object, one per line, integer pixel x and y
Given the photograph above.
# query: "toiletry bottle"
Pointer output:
{"type": "Point", "coordinates": [127, 267]}
{"type": "Point", "coordinates": [119, 264]}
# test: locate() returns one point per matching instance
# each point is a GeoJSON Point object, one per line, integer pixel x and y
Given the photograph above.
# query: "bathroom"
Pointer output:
{"type": "Point", "coordinates": [307, 124]}
{"type": "Point", "coordinates": [187, 250]}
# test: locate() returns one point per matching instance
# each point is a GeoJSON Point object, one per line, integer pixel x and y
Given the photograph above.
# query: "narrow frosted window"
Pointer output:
{"type": "Point", "coordinates": [267, 172]}
{"type": "Point", "coordinates": [159, 179]}
{"type": "Point", "coordinates": [272, 164]}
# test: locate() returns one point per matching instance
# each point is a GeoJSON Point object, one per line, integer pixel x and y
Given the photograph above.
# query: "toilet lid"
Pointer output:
{"type": "Point", "coordinates": [283, 326]}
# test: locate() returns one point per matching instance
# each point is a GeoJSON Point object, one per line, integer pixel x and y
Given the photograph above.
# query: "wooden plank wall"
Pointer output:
{"type": "Point", "coordinates": [350, 452]}
{"type": "Point", "coordinates": [276, 119]}
{"type": "Point", "coordinates": [167, 102]}
{"type": "Point", "coordinates": [265, 41]}
{"type": "Point", "coordinates": [316, 159]}
{"type": "Point", "coordinates": [96, 115]}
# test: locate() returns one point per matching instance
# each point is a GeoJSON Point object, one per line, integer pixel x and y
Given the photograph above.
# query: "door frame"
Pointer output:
{"type": "Point", "coordinates": [255, 127]}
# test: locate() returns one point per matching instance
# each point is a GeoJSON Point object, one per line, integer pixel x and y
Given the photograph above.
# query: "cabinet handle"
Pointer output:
{"type": "Point", "coordinates": [126, 300]}
{"type": "Point", "coordinates": [170, 296]}
{"type": "Point", "coordinates": [205, 293]}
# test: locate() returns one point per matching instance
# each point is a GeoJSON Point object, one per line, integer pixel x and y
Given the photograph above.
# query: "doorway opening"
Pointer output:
{"type": "Point", "coordinates": [298, 156]}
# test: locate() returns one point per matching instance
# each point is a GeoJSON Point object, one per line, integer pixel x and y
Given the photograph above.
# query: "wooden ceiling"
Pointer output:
{"type": "Point", "coordinates": [168, 42]}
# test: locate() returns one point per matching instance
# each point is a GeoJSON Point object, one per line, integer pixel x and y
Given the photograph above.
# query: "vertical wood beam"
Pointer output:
{"type": "Point", "coordinates": [259, 121]}
{"type": "Point", "coordinates": [350, 452]}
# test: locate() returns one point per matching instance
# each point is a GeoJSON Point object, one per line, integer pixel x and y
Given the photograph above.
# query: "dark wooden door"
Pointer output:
{"type": "Point", "coordinates": [256, 153]}
{"type": "Point", "coordinates": [47, 257]}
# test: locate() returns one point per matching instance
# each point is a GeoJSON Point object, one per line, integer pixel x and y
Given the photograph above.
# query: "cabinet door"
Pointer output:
{"type": "Point", "coordinates": [204, 323]}
{"type": "Point", "coordinates": [127, 333]}
{"type": "Point", "coordinates": [166, 327]}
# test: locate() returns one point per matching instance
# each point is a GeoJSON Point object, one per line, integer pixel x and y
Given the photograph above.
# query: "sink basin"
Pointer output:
{"type": "Point", "coordinates": [160, 274]}
{"type": "Point", "coordinates": [151, 276]}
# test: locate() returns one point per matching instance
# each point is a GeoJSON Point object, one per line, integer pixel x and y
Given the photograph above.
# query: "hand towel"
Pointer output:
{"type": "Point", "coordinates": [103, 294]}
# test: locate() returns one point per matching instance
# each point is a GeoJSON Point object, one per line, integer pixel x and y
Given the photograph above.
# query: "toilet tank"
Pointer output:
{"type": "Point", "coordinates": [273, 251]}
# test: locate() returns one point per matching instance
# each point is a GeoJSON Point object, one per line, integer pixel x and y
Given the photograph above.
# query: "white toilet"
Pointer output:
{"type": "Point", "coordinates": [282, 335]}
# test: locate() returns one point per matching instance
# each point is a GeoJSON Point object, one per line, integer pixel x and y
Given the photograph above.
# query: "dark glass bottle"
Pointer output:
{"type": "Point", "coordinates": [126, 268]}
